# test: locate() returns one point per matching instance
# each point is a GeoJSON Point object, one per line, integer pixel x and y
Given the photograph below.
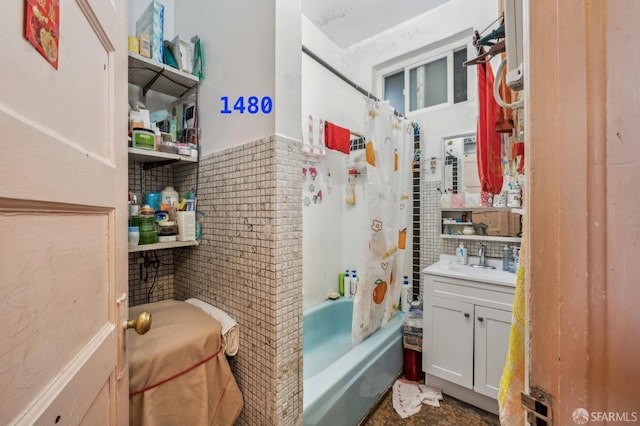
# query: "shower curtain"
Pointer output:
{"type": "Point", "coordinates": [389, 155]}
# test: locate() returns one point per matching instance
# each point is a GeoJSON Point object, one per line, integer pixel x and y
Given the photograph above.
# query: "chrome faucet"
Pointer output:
{"type": "Point", "coordinates": [482, 255]}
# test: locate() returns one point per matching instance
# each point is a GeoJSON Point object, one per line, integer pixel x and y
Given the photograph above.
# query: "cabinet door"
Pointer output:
{"type": "Point", "coordinates": [448, 343]}
{"type": "Point", "coordinates": [492, 328]}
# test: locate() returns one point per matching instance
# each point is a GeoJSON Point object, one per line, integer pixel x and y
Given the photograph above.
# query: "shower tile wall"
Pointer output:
{"type": "Point", "coordinates": [431, 243]}
{"type": "Point", "coordinates": [250, 265]}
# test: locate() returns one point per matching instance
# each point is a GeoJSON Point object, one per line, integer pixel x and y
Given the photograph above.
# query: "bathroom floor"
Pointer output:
{"type": "Point", "coordinates": [451, 412]}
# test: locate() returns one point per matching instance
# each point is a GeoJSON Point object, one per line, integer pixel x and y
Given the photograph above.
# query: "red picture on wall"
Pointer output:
{"type": "Point", "coordinates": [42, 27]}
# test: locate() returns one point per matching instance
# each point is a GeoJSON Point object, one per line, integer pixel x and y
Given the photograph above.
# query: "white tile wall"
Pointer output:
{"type": "Point", "coordinates": [250, 265]}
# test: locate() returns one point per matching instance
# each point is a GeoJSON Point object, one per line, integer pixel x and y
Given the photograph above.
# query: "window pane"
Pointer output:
{"type": "Point", "coordinates": [459, 76]}
{"type": "Point", "coordinates": [428, 84]}
{"type": "Point", "coordinates": [394, 91]}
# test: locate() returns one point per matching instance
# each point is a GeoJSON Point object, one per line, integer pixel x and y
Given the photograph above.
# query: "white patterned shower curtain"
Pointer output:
{"type": "Point", "coordinates": [389, 154]}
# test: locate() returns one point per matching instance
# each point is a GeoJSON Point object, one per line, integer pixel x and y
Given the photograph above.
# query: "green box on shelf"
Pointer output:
{"type": "Point", "coordinates": [144, 139]}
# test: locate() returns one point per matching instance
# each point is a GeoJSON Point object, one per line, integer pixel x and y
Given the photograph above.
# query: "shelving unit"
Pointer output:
{"type": "Point", "coordinates": [158, 77]}
{"type": "Point", "coordinates": [482, 237]}
{"type": "Point", "coordinates": [449, 214]}
{"type": "Point", "coordinates": [160, 246]}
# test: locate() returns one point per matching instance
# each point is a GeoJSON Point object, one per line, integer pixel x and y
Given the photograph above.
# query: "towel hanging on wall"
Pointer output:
{"type": "Point", "coordinates": [488, 140]}
{"type": "Point", "coordinates": [313, 136]}
{"type": "Point", "coordinates": [337, 137]}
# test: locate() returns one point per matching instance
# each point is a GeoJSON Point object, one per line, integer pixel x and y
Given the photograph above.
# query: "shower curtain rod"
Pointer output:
{"type": "Point", "coordinates": [343, 77]}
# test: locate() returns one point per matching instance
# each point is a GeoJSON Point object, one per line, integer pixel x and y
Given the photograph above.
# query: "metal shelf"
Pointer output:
{"type": "Point", "coordinates": [148, 156]}
{"type": "Point", "coordinates": [152, 75]}
{"type": "Point", "coordinates": [160, 246]}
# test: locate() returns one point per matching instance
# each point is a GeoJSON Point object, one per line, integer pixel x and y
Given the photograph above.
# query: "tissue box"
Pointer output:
{"type": "Point", "coordinates": [151, 22]}
{"type": "Point", "coordinates": [186, 226]}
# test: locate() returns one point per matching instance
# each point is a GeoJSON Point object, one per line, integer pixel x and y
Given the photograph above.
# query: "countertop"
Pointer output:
{"type": "Point", "coordinates": [448, 267]}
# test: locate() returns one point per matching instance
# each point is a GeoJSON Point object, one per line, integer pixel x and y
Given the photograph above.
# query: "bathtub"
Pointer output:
{"type": "Point", "coordinates": [341, 384]}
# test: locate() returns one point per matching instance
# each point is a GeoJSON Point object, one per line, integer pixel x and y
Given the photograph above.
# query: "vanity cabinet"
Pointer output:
{"type": "Point", "coordinates": [466, 337]}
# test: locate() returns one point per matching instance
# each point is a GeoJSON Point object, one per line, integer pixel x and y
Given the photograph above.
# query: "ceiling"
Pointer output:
{"type": "Point", "coordinates": [346, 22]}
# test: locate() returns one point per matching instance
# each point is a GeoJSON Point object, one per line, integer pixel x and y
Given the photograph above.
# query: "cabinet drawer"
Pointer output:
{"type": "Point", "coordinates": [492, 295]}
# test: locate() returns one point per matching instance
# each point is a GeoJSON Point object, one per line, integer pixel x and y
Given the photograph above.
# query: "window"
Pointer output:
{"type": "Point", "coordinates": [459, 76]}
{"type": "Point", "coordinates": [428, 84]}
{"type": "Point", "coordinates": [394, 90]}
{"type": "Point", "coordinates": [438, 80]}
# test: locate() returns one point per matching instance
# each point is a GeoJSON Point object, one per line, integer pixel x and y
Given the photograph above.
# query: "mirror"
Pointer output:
{"type": "Point", "coordinates": [460, 165]}
{"type": "Point", "coordinates": [460, 176]}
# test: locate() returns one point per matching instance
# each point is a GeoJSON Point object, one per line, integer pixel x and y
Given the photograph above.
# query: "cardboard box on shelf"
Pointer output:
{"type": "Point", "coordinates": [186, 225]}
{"type": "Point", "coordinates": [500, 223]}
{"type": "Point", "coordinates": [145, 45]}
{"type": "Point", "coordinates": [151, 22]}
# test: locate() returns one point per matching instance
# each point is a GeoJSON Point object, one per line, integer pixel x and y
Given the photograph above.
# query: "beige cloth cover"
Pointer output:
{"type": "Point", "coordinates": [181, 336]}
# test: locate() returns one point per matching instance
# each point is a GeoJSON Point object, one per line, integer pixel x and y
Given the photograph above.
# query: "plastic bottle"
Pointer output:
{"type": "Point", "coordinates": [516, 259]}
{"type": "Point", "coordinates": [512, 262]}
{"type": "Point", "coordinates": [134, 236]}
{"type": "Point", "coordinates": [134, 207]}
{"type": "Point", "coordinates": [407, 297]}
{"type": "Point", "coordinates": [505, 258]}
{"type": "Point", "coordinates": [341, 277]}
{"type": "Point", "coordinates": [415, 311]}
{"type": "Point", "coordinates": [169, 195]}
{"type": "Point", "coordinates": [461, 255]}
{"type": "Point", "coordinates": [352, 283]}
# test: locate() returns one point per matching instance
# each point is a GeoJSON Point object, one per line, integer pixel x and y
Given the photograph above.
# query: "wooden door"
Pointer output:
{"type": "Point", "coordinates": [582, 208]}
{"type": "Point", "coordinates": [491, 342]}
{"type": "Point", "coordinates": [63, 218]}
{"type": "Point", "coordinates": [448, 328]}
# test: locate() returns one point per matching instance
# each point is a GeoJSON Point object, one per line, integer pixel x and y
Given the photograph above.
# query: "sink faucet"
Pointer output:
{"type": "Point", "coordinates": [482, 255]}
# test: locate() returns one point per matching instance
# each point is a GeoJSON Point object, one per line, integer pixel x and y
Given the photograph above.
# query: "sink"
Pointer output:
{"type": "Point", "coordinates": [476, 265]}
{"type": "Point", "coordinates": [468, 272]}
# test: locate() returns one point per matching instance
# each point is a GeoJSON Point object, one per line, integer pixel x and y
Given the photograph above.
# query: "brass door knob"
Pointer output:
{"type": "Point", "coordinates": [141, 324]}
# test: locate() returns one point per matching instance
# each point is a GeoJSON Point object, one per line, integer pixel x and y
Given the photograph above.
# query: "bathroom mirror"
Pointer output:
{"type": "Point", "coordinates": [460, 164]}
{"type": "Point", "coordinates": [460, 176]}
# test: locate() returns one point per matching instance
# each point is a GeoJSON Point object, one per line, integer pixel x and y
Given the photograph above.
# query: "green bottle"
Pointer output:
{"type": "Point", "coordinates": [341, 276]}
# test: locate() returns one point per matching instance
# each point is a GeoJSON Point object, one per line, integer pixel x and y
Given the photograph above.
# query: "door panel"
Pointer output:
{"type": "Point", "coordinates": [63, 219]}
{"type": "Point", "coordinates": [491, 346]}
{"type": "Point", "coordinates": [72, 102]}
{"type": "Point", "coordinates": [58, 299]}
{"type": "Point", "coordinates": [448, 329]}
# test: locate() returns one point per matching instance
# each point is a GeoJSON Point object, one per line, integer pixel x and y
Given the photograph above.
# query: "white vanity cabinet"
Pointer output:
{"type": "Point", "coordinates": [466, 337]}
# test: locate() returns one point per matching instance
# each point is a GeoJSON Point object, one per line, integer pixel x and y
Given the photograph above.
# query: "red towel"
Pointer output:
{"type": "Point", "coordinates": [488, 140]}
{"type": "Point", "coordinates": [337, 137]}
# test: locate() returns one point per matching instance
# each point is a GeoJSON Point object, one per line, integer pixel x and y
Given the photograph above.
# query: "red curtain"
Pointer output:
{"type": "Point", "coordinates": [488, 140]}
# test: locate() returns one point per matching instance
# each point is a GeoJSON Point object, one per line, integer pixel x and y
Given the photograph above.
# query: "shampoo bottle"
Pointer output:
{"type": "Point", "coordinates": [516, 259]}
{"type": "Point", "coordinates": [341, 277]}
{"type": "Point", "coordinates": [406, 294]}
{"type": "Point", "coordinates": [461, 255]}
{"type": "Point", "coordinates": [505, 258]}
{"type": "Point", "coordinates": [352, 283]}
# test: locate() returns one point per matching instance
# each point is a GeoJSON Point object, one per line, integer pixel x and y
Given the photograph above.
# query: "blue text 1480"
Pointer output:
{"type": "Point", "coordinates": [253, 105]}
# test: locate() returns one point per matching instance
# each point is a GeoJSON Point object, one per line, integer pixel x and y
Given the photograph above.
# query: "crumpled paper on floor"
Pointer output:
{"type": "Point", "coordinates": [409, 396]}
